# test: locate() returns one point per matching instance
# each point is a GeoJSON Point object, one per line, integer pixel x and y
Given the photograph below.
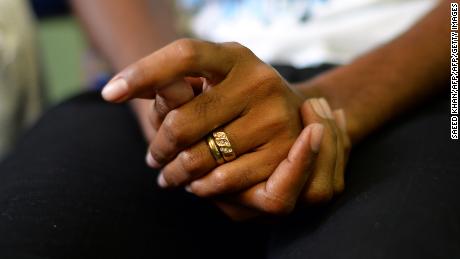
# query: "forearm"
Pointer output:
{"type": "Point", "coordinates": [383, 83]}
{"type": "Point", "coordinates": [125, 31]}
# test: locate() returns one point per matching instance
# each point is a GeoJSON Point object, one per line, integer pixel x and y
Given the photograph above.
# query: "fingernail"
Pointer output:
{"type": "Point", "coordinates": [151, 161]}
{"type": "Point", "coordinates": [188, 188]}
{"type": "Point", "coordinates": [161, 181]}
{"type": "Point", "coordinates": [317, 107]}
{"type": "Point", "coordinates": [326, 108]}
{"type": "Point", "coordinates": [115, 89]}
{"type": "Point", "coordinates": [341, 119]}
{"type": "Point", "coordinates": [316, 138]}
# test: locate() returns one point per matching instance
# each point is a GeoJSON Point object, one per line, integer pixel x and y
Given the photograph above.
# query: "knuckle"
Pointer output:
{"type": "Point", "coordinates": [280, 120]}
{"type": "Point", "coordinates": [189, 161]}
{"type": "Point", "coordinates": [221, 180]}
{"type": "Point", "coordinates": [269, 80]}
{"type": "Point", "coordinates": [187, 51]}
{"type": "Point", "coordinates": [236, 46]}
{"type": "Point", "coordinates": [161, 107]}
{"type": "Point", "coordinates": [269, 75]}
{"type": "Point", "coordinates": [215, 186]}
{"type": "Point", "coordinates": [174, 129]}
{"type": "Point", "coordinates": [239, 51]}
{"type": "Point", "coordinates": [232, 44]}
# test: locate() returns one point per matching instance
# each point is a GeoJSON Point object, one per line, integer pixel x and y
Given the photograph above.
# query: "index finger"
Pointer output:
{"type": "Point", "coordinates": [185, 57]}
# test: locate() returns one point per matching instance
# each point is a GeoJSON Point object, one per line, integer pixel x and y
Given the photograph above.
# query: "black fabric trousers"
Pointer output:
{"type": "Point", "coordinates": [76, 186]}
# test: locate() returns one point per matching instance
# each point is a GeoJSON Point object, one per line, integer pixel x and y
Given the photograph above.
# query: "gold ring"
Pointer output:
{"type": "Point", "coordinates": [214, 150]}
{"type": "Point", "coordinates": [224, 145]}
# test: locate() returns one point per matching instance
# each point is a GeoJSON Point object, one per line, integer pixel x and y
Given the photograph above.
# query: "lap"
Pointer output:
{"type": "Point", "coordinates": [77, 186]}
{"type": "Point", "coordinates": [401, 198]}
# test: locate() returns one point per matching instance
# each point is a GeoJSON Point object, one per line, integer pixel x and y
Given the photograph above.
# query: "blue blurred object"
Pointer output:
{"type": "Point", "coordinates": [49, 8]}
{"type": "Point", "coordinates": [101, 80]}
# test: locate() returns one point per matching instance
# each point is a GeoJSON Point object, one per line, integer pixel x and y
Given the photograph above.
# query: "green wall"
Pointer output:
{"type": "Point", "coordinates": [62, 47]}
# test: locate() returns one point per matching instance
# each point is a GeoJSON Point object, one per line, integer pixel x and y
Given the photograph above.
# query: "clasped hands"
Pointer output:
{"type": "Point", "coordinates": [289, 150]}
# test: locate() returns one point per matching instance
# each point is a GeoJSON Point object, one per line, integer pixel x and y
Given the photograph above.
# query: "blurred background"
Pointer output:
{"type": "Point", "coordinates": [67, 61]}
{"type": "Point", "coordinates": [44, 59]}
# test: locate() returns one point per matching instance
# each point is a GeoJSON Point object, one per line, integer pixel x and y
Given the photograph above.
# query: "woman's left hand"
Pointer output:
{"type": "Point", "coordinates": [319, 155]}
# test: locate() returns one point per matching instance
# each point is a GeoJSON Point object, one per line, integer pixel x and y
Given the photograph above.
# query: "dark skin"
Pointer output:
{"type": "Point", "coordinates": [368, 97]}
{"type": "Point", "coordinates": [393, 78]}
{"type": "Point", "coordinates": [257, 109]}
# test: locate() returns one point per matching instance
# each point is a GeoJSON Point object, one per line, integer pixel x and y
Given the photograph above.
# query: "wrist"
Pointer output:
{"type": "Point", "coordinates": [336, 94]}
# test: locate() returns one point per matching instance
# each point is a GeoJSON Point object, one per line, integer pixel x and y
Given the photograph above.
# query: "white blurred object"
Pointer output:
{"type": "Point", "coordinates": [20, 101]}
{"type": "Point", "coordinates": [305, 32]}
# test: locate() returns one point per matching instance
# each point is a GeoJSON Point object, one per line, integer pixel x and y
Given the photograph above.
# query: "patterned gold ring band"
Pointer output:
{"type": "Point", "coordinates": [224, 145]}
